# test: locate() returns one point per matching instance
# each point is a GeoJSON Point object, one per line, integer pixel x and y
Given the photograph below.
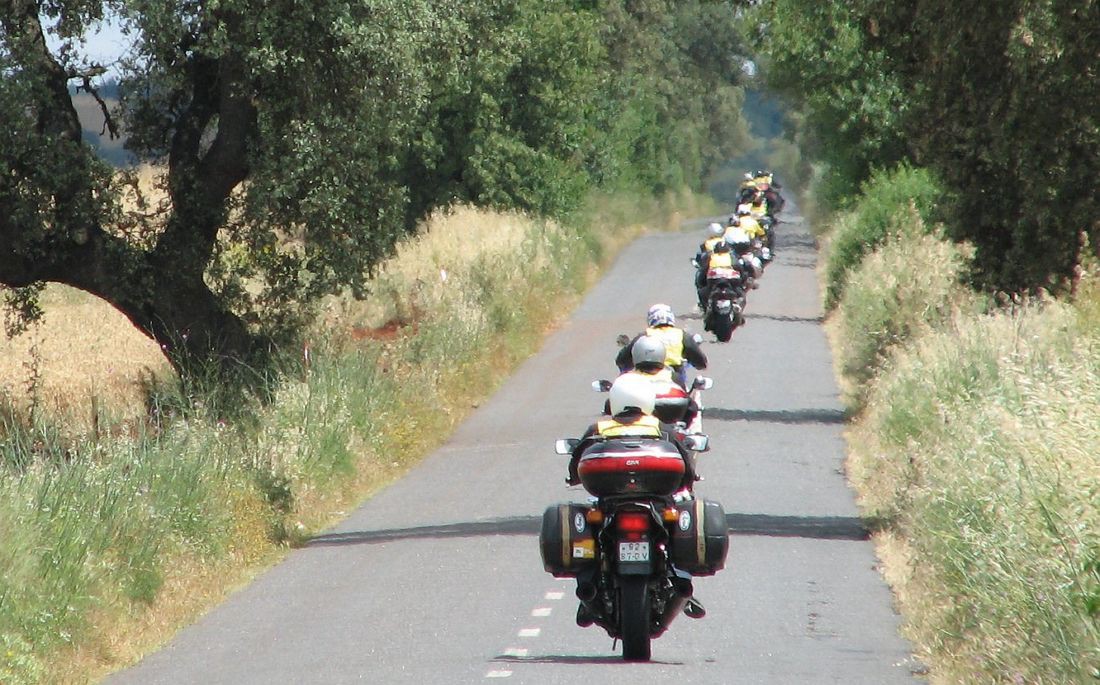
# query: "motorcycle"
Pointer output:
{"type": "Point", "coordinates": [725, 304]}
{"type": "Point", "coordinates": [635, 549]}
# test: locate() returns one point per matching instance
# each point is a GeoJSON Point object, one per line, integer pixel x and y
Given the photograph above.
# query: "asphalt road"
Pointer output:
{"type": "Point", "coordinates": [438, 578]}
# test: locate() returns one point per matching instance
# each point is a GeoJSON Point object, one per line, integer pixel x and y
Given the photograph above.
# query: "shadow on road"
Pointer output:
{"type": "Point", "coordinates": [832, 416]}
{"type": "Point", "coordinates": [576, 659]}
{"type": "Point", "coordinates": [786, 319]}
{"type": "Point", "coordinates": [815, 527]}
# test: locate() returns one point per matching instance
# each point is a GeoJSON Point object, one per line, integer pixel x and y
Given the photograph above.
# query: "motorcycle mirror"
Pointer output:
{"type": "Point", "coordinates": [697, 442]}
{"type": "Point", "coordinates": [703, 383]}
{"type": "Point", "coordinates": [566, 445]}
{"type": "Point", "coordinates": [601, 385]}
{"type": "Point", "coordinates": [622, 340]}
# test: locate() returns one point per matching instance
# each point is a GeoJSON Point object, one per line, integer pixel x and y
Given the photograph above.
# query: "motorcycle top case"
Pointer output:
{"type": "Point", "coordinates": [631, 466]}
{"type": "Point", "coordinates": [700, 538]}
{"type": "Point", "coordinates": [567, 540]}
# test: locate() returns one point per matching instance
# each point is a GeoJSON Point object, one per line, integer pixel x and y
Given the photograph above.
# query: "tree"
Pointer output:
{"type": "Point", "coordinates": [998, 99]}
{"type": "Point", "coordinates": [1003, 104]}
{"type": "Point", "coordinates": [817, 55]}
{"type": "Point", "coordinates": [299, 141]}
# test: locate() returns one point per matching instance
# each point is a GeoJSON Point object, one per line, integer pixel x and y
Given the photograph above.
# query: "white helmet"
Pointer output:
{"type": "Point", "coordinates": [630, 390]}
{"type": "Point", "coordinates": [648, 349]}
{"type": "Point", "coordinates": [660, 315]}
{"type": "Point", "coordinates": [715, 229]}
{"type": "Point", "coordinates": [735, 235]}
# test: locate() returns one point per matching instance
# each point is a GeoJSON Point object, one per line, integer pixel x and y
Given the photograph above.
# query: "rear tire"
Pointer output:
{"type": "Point", "coordinates": [723, 328]}
{"type": "Point", "coordinates": [634, 617]}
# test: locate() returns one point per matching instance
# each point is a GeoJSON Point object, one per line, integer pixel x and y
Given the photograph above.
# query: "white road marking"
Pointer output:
{"type": "Point", "coordinates": [541, 611]}
{"type": "Point", "coordinates": [530, 632]}
{"type": "Point", "coordinates": [498, 674]}
{"type": "Point", "coordinates": [518, 652]}
{"type": "Point", "coordinates": [554, 595]}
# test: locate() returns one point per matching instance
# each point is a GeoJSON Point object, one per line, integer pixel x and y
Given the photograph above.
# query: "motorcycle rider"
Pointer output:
{"type": "Point", "coordinates": [716, 235]}
{"type": "Point", "coordinates": [648, 354]}
{"type": "Point", "coordinates": [753, 228]}
{"type": "Point", "coordinates": [723, 257]}
{"type": "Point", "coordinates": [632, 399]}
{"type": "Point", "coordinates": [680, 347]}
{"type": "Point", "coordinates": [741, 246]}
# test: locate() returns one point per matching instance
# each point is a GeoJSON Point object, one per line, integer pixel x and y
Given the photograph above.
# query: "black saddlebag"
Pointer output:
{"type": "Point", "coordinates": [700, 538]}
{"type": "Point", "coordinates": [567, 540]}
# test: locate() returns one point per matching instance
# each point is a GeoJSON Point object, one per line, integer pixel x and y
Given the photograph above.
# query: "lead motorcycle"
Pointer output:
{"type": "Point", "coordinates": [635, 548]}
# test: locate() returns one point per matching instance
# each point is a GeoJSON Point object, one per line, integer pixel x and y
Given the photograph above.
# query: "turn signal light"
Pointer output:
{"type": "Point", "coordinates": [594, 516]}
{"type": "Point", "coordinates": [671, 515]}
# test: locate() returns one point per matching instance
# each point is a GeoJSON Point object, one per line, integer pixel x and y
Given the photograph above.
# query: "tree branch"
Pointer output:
{"type": "Point", "coordinates": [86, 77]}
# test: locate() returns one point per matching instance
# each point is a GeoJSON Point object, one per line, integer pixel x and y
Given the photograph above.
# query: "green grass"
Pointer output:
{"type": "Point", "coordinates": [909, 285]}
{"type": "Point", "coordinates": [974, 446]}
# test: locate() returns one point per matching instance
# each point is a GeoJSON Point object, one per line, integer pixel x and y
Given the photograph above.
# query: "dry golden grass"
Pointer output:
{"type": "Point", "coordinates": [83, 357]}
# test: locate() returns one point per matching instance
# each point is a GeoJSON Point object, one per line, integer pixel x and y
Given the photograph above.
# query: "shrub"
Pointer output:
{"type": "Point", "coordinates": [885, 203]}
{"type": "Point", "coordinates": [910, 283]}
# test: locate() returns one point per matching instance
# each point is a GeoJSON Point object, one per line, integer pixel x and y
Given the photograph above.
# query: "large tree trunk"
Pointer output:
{"type": "Point", "coordinates": [53, 228]}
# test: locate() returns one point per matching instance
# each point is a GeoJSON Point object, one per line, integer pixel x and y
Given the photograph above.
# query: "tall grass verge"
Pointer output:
{"type": "Point", "coordinates": [113, 538]}
{"type": "Point", "coordinates": [909, 285]}
{"type": "Point", "coordinates": [974, 450]}
{"type": "Point", "coordinates": [979, 447]}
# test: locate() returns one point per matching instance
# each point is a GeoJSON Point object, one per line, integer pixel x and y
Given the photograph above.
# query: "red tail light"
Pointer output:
{"type": "Point", "coordinates": [633, 521]}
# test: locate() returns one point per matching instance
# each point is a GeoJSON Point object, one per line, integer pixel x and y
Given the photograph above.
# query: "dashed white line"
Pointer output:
{"type": "Point", "coordinates": [554, 595]}
{"type": "Point", "coordinates": [516, 652]}
{"type": "Point", "coordinates": [541, 611]}
{"type": "Point", "coordinates": [530, 632]}
{"type": "Point", "coordinates": [498, 674]}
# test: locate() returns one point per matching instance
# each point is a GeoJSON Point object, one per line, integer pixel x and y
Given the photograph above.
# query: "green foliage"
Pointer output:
{"type": "Point", "coordinates": [302, 140]}
{"type": "Point", "coordinates": [999, 101]}
{"type": "Point", "coordinates": [886, 202]}
{"type": "Point", "coordinates": [817, 56]}
{"type": "Point", "coordinates": [1016, 134]}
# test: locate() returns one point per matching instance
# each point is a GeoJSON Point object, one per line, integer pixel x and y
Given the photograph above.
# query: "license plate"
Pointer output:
{"type": "Point", "coordinates": [633, 551]}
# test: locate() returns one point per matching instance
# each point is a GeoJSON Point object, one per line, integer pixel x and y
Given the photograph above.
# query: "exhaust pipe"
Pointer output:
{"type": "Point", "coordinates": [675, 606]}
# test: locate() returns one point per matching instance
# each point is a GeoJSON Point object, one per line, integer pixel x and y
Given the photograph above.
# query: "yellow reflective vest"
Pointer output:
{"type": "Point", "coordinates": [645, 427]}
{"type": "Point", "coordinates": [752, 227]}
{"type": "Point", "coordinates": [710, 243]}
{"type": "Point", "coordinates": [662, 376]}
{"type": "Point", "coordinates": [673, 338]}
{"type": "Point", "coordinates": [720, 260]}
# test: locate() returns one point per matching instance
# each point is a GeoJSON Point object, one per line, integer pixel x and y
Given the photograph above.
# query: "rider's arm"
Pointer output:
{"type": "Point", "coordinates": [693, 353]}
{"type": "Point", "coordinates": [624, 359]}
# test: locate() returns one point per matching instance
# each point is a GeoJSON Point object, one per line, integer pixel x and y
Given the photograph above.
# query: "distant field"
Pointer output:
{"type": "Point", "coordinates": [91, 120]}
{"type": "Point", "coordinates": [82, 348]}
